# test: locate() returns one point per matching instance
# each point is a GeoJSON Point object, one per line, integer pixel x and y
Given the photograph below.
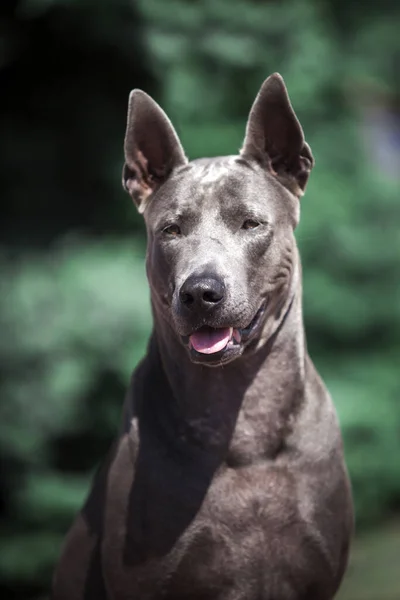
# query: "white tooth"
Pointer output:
{"type": "Point", "coordinates": [237, 336]}
{"type": "Point", "coordinates": [230, 332]}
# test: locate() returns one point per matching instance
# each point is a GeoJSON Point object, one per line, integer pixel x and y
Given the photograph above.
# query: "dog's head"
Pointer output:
{"type": "Point", "coordinates": [221, 251]}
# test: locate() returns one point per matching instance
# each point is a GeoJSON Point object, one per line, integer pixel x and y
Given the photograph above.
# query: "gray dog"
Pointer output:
{"type": "Point", "coordinates": [227, 479]}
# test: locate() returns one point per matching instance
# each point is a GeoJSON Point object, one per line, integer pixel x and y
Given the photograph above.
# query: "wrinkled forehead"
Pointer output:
{"type": "Point", "coordinates": [221, 182]}
{"type": "Point", "coordinates": [209, 171]}
{"type": "Point", "coordinates": [214, 185]}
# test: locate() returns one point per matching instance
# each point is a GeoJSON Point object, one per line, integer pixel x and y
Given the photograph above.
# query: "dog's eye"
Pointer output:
{"type": "Point", "coordinates": [250, 224]}
{"type": "Point", "coordinates": [172, 230]}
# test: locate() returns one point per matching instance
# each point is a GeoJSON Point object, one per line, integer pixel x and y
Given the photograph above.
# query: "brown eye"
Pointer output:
{"type": "Point", "coordinates": [250, 224]}
{"type": "Point", "coordinates": [172, 230]}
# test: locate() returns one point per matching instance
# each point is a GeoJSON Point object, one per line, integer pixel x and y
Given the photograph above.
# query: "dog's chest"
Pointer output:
{"type": "Point", "coordinates": [245, 541]}
{"type": "Point", "coordinates": [231, 542]}
{"type": "Point", "coordinates": [226, 549]}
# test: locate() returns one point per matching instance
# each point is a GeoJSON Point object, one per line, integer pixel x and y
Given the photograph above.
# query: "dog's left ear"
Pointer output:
{"type": "Point", "coordinates": [152, 149]}
{"type": "Point", "coordinates": [275, 139]}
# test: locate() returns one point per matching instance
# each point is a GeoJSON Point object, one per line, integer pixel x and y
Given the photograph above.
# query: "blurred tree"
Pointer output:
{"type": "Point", "coordinates": [66, 70]}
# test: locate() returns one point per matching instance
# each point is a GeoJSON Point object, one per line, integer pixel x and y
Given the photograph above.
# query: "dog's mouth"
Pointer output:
{"type": "Point", "coordinates": [208, 340]}
{"type": "Point", "coordinates": [217, 345]}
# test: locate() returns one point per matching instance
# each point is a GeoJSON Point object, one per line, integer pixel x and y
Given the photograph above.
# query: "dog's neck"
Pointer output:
{"type": "Point", "coordinates": [193, 422]}
{"type": "Point", "coordinates": [215, 408]}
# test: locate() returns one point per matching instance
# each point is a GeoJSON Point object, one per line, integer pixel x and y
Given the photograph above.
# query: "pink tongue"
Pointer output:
{"type": "Point", "coordinates": [209, 341]}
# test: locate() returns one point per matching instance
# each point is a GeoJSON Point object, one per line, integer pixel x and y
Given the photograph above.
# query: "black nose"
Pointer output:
{"type": "Point", "coordinates": [202, 293]}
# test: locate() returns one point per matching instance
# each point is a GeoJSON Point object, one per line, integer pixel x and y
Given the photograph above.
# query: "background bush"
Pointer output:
{"type": "Point", "coordinates": [74, 310]}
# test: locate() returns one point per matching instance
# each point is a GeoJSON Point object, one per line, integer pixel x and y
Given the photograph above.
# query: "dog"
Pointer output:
{"type": "Point", "coordinates": [227, 480]}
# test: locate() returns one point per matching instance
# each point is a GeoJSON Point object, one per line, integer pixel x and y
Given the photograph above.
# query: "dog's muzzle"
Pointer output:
{"type": "Point", "coordinates": [218, 345]}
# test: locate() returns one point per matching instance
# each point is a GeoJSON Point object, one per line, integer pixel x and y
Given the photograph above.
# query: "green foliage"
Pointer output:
{"type": "Point", "coordinates": [67, 318]}
{"type": "Point", "coordinates": [373, 571]}
{"type": "Point", "coordinates": [64, 325]}
{"type": "Point", "coordinates": [365, 390]}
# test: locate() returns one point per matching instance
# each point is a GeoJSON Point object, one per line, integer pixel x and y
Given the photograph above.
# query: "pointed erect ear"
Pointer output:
{"type": "Point", "coordinates": [152, 148]}
{"type": "Point", "coordinates": [275, 139]}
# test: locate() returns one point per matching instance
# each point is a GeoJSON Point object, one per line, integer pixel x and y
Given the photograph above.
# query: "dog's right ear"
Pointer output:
{"type": "Point", "coordinates": [275, 139]}
{"type": "Point", "coordinates": [152, 148]}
